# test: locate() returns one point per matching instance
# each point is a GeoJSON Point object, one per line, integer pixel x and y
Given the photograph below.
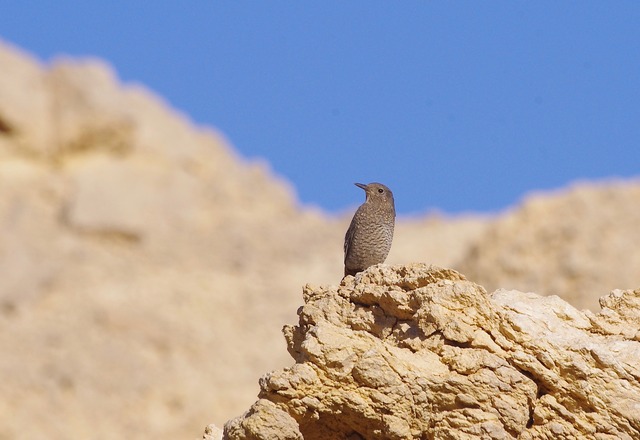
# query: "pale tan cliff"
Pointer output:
{"type": "Point", "coordinates": [137, 256]}
{"type": "Point", "coordinates": [142, 260]}
{"type": "Point", "coordinates": [577, 243]}
{"type": "Point", "coordinates": [408, 352]}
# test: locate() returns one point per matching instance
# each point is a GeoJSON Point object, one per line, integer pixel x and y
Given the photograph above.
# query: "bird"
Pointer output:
{"type": "Point", "coordinates": [368, 239]}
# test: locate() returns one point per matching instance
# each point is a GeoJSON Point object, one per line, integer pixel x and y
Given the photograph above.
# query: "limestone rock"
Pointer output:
{"type": "Point", "coordinates": [418, 351]}
{"type": "Point", "coordinates": [212, 432]}
{"type": "Point", "coordinates": [26, 124]}
{"type": "Point", "coordinates": [264, 420]}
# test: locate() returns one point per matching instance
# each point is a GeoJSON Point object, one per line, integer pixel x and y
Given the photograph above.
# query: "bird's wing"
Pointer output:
{"type": "Point", "coordinates": [347, 239]}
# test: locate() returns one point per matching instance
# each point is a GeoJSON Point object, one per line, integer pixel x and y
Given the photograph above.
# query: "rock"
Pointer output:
{"type": "Point", "coordinates": [577, 243]}
{"type": "Point", "coordinates": [418, 351]}
{"type": "Point", "coordinates": [212, 432]}
{"type": "Point", "coordinates": [264, 420]}
{"type": "Point", "coordinates": [26, 119]}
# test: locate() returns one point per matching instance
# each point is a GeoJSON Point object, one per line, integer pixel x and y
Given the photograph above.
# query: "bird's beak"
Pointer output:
{"type": "Point", "coordinates": [361, 185]}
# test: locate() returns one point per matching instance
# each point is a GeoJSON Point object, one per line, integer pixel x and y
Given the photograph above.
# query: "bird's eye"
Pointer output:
{"type": "Point", "coordinates": [380, 190]}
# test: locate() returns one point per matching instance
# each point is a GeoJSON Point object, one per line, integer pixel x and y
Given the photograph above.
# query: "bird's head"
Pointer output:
{"type": "Point", "coordinates": [377, 193]}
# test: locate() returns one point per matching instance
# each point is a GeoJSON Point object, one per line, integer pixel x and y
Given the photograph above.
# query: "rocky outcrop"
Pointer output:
{"type": "Point", "coordinates": [418, 351]}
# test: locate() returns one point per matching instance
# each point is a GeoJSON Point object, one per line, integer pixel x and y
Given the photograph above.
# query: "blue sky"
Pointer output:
{"type": "Point", "coordinates": [457, 106]}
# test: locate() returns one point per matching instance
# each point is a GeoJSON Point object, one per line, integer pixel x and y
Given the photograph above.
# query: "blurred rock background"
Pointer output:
{"type": "Point", "coordinates": [144, 264]}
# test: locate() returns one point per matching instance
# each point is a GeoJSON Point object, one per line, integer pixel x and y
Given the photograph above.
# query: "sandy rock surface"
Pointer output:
{"type": "Point", "coordinates": [418, 351]}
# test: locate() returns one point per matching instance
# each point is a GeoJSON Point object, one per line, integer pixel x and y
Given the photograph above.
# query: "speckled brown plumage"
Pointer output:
{"type": "Point", "coordinates": [368, 239]}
